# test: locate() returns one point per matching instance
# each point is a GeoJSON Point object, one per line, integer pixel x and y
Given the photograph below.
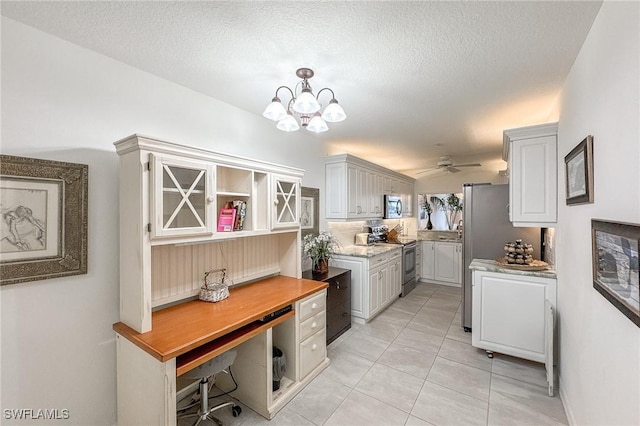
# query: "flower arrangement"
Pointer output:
{"type": "Point", "coordinates": [319, 248]}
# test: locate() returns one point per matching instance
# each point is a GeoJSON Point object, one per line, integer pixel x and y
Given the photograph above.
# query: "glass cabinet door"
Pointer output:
{"type": "Point", "coordinates": [183, 202]}
{"type": "Point", "coordinates": [286, 202]}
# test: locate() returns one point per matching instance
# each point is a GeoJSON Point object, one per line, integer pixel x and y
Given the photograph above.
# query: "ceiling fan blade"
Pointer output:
{"type": "Point", "coordinates": [467, 165]}
{"type": "Point", "coordinates": [452, 169]}
{"type": "Point", "coordinates": [427, 171]}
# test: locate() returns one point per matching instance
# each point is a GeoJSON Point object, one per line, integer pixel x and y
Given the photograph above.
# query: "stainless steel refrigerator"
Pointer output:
{"type": "Point", "coordinates": [486, 228]}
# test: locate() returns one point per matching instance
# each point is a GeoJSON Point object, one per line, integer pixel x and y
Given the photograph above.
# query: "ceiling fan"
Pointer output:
{"type": "Point", "coordinates": [445, 163]}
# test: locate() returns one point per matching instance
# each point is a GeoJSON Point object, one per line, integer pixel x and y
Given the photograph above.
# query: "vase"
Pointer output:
{"type": "Point", "coordinates": [429, 224]}
{"type": "Point", "coordinates": [321, 266]}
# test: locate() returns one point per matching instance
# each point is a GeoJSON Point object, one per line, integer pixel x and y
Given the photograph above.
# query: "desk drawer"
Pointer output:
{"type": "Point", "coordinates": [312, 325]}
{"type": "Point", "coordinates": [313, 305]}
{"type": "Point", "coordinates": [312, 352]}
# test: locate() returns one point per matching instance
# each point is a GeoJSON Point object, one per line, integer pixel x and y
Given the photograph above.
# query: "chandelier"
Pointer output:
{"type": "Point", "coordinates": [306, 106]}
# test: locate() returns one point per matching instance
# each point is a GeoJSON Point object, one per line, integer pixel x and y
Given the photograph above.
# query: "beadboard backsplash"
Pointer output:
{"type": "Point", "coordinates": [178, 270]}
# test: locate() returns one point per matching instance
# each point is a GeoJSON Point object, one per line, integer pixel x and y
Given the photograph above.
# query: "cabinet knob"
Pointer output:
{"type": "Point", "coordinates": [314, 325]}
{"type": "Point", "coordinates": [314, 347]}
{"type": "Point", "coordinates": [210, 199]}
{"type": "Point", "coordinates": [313, 306]}
{"type": "Point", "coordinates": [276, 201]}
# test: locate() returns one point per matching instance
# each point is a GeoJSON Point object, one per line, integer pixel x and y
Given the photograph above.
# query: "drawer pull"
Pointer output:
{"type": "Point", "coordinates": [338, 285]}
{"type": "Point", "coordinates": [314, 325]}
{"type": "Point", "coordinates": [314, 347]}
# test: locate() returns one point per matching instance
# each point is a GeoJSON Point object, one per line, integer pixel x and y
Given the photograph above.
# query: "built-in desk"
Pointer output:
{"type": "Point", "coordinates": [187, 335]}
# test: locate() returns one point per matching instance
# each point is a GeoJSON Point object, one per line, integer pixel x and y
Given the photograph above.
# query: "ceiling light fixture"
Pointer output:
{"type": "Point", "coordinates": [306, 106]}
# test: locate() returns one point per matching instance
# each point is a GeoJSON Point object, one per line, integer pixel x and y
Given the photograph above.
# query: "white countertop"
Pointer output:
{"type": "Point", "coordinates": [368, 251]}
{"type": "Point", "coordinates": [493, 266]}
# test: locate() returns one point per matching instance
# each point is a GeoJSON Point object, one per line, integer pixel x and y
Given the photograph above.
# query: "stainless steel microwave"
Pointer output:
{"type": "Point", "coordinates": [392, 207]}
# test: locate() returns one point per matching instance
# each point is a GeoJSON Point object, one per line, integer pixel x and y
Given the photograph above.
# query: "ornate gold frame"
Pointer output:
{"type": "Point", "coordinates": [70, 217]}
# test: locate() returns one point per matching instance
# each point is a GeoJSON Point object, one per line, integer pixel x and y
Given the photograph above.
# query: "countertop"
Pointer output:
{"type": "Point", "coordinates": [368, 251]}
{"type": "Point", "coordinates": [181, 328]}
{"type": "Point", "coordinates": [493, 266]}
{"type": "Point", "coordinates": [438, 235]}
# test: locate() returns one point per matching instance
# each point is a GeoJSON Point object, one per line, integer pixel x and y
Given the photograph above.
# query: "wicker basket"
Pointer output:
{"type": "Point", "coordinates": [215, 287]}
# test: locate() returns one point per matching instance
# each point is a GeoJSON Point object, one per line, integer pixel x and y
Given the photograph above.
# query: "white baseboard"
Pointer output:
{"type": "Point", "coordinates": [565, 403]}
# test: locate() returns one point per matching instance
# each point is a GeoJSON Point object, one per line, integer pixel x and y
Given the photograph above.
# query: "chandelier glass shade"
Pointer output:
{"type": "Point", "coordinates": [306, 106]}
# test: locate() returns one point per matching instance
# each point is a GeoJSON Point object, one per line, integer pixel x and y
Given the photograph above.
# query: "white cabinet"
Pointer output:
{"type": "Point", "coordinates": [182, 201]}
{"type": "Point", "coordinates": [513, 315]}
{"type": "Point", "coordinates": [375, 282]}
{"type": "Point", "coordinates": [531, 153]}
{"type": "Point", "coordinates": [172, 195]}
{"type": "Point", "coordinates": [374, 192]}
{"type": "Point", "coordinates": [441, 262]}
{"type": "Point", "coordinates": [357, 195]}
{"type": "Point", "coordinates": [395, 277]}
{"type": "Point", "coordinates": [303, 341]}
{"type": "Point", "coordinates": [448, 260]}
{"type": "Point", "coordinates": [428, 260]}
{"type": "Point", "coordinates": [312, 332]}
{"type": "Point", "coordinates": [355, 188]}
{"type": "Point", "coordinates": [286, 202]}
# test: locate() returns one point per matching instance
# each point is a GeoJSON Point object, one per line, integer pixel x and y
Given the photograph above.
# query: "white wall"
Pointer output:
{"type": "Point", "coordinates": [63, 102]}
{"type": "Point", "coordinates": [599, 346]}
{"type": "Point", "coordinates": [439, 181]}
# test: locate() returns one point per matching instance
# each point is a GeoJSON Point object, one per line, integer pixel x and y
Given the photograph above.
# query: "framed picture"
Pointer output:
{"type": "Point", "coordinates": [43, 231]}
{"type": "Point", "coordinates": [579, 173]}
{"type": "Point", "coordinates": [309, 209]}
{"type": "Point", "coordinates": [615, 265]}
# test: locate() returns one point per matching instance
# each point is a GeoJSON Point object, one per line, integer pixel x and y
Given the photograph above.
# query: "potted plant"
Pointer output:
{"type": "Point", "coordinates": [451, 205]}
{"type": "Point", "coordinates": [426, 206]}
{"type": "Point", "coordinates": [319, 248]}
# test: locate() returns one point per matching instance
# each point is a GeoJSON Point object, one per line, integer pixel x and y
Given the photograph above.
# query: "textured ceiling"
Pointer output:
{"type": "Point", "coordinates": [417, 79]}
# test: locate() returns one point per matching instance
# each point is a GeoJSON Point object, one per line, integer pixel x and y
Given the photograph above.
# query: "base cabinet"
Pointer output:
{"type": "Point", "coordinates": [303, 341]}
{"type": "Point", "coordinates": [338, 317]}
{"type": "Point", "coordinates": [441, 262]}
{"type": "Point", "coordinates": [513, 315]}
{"type": "Point", "coordinates": [375, 281]}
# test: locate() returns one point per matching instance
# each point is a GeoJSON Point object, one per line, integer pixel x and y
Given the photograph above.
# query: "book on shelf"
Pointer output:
{"type": "Point", "coordinates": [241, 211]}
{"type": "Point", "coordinates": [226, 220]}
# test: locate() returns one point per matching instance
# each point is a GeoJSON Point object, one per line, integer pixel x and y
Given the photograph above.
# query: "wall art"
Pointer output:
{"type": "Point", "coordinates": [579, 173]}
{"type": "Point", "coordinates": [309, 209]}
{"type": "Point", "coordinates": [615, 265]}
{"type": "Point", "coordinates": [43, 231]}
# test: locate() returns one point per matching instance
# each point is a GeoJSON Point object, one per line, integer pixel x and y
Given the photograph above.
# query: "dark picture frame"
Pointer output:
{"type": "Point", "coordinates": [615, 265]}
{"type": "Point", "coordinates": [579, 173]}
{"type": "Point", "coordinates": [44, 219]}
{"type": "Point", "coordinates": [309, 211]}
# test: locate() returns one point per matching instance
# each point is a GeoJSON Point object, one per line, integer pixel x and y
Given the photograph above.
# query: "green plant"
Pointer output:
{"type": "Point", "coordinates": [426, 205]}
{"type": "Point", "coordinates": [451, 205]}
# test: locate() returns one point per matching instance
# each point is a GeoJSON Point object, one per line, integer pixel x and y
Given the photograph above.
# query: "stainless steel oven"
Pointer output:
{"type": "Point", "coordinates": [408, 267]}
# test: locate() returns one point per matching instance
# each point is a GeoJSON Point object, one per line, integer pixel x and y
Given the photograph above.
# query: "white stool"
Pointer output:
{"type": "Point", "coordinates": [203, 372]}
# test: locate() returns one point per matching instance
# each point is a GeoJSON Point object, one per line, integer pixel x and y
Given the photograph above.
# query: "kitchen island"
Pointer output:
{"type": "Point", "coordinates": [514, 312]}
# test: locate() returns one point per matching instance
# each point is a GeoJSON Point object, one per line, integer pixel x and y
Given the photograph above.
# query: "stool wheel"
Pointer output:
{"type": "Point", "coordinates": [236, 410]}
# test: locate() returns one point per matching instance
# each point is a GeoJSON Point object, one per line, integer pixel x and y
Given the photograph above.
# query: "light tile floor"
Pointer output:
{"type": "Point", "coordinates": [414, 365]}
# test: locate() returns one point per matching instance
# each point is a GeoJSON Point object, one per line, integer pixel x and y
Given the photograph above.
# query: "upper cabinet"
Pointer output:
{"type": "Point", "coordinates": [531, 153]}
{"type": "Point", "coordinates": [355, 188]}
{"type": "Point", "coordinates": [197, 195]}
{"type": "Point", "coordinates": [172, 200]}
{"type": "Point", "coordinates": [182, 199]}
{"type": "Point", "coordinates": [286, 202]}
